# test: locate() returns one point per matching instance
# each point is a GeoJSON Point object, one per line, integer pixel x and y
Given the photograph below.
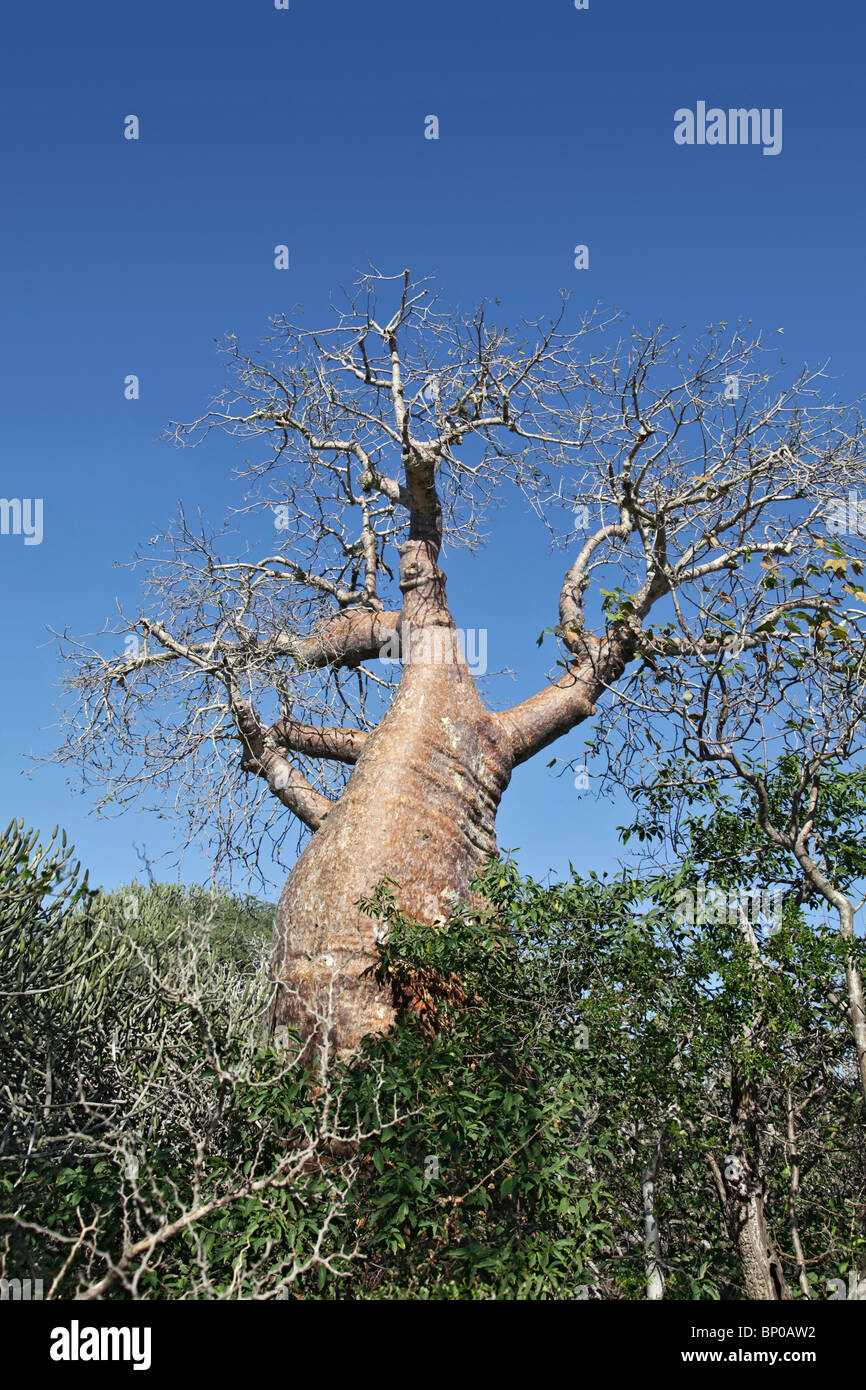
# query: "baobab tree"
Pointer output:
{"type": "Point", "coordinates": [249, 687]}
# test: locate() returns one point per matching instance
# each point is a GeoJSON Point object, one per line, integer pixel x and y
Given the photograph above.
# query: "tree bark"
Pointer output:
{"type": "Point", "coordinates": [856, 1000]}
{"type": "Point", "coordinates": [763, 1276]}
{"type": "Point", "coordinates": [419, 810]}
{"type": "Point", "coordinates": [655, 1282]}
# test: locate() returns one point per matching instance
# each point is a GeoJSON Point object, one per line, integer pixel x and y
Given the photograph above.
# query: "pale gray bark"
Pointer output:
{"type": "Point", "coordinates": [655, 1281]}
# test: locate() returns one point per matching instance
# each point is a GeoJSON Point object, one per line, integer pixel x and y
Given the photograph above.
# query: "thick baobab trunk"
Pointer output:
{"type": "Point", "coordinates": [419, 809]}
{"type": "Point", "coordinates": [420, 806]}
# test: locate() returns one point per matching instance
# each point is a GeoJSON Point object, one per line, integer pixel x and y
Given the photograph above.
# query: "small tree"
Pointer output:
{"type": "Point", "coordinates": [776, 1018]}
{"type": "Point", "coordinates": [800, 777]}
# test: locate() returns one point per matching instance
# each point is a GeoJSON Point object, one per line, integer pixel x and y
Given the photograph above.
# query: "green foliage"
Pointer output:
{"type": "Point", "coordinates": [238, 930]}
{"type": "Point", "coordinates": [484, 1189]}
{"type": "Point", "coordinates": [492, 1145]}
{"type": "Point", "coordinates": [135, 1075]}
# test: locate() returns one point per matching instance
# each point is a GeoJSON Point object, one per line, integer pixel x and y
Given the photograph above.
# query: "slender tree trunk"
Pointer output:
{"type": "Point", "coordinates": [793, 1194]}
{"type": "Point", "coordinates": [762, 1270]}
{"type": "Point", "coordinates": [655, 1289]}
{"type": "Point", "coordinates": [856, 1001]}
{"type": "Point", "coordinates": [763, 1276]}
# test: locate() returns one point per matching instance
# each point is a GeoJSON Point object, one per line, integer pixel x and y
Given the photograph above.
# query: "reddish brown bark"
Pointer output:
{"type": "Point", "coordinates": [419, 809]}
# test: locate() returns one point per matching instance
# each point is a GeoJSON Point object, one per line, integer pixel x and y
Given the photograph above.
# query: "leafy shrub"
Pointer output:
{"type": "Point", "coordinates": [154, 1144]}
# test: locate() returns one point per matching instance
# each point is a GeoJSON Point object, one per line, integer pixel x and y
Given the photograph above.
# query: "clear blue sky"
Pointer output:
{"type": "Point", "coordinates": [306, 127]}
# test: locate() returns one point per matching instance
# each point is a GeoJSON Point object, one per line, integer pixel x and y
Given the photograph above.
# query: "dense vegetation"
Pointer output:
{"type": "Point", "coordinates": [569, 1075]}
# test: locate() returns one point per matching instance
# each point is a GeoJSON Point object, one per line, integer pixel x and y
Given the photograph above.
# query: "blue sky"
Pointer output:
{"type": "Point", "coordinates": [306, 127]}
